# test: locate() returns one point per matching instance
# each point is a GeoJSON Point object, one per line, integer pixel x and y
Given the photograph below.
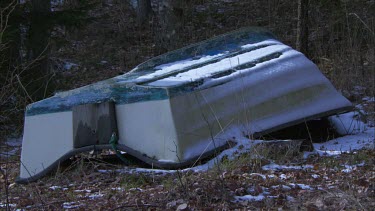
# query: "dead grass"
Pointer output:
{"type": "Point", "coordinates": [82, 184]}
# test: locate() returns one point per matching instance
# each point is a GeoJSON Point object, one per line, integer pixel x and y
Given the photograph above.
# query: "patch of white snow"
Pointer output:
{"type": "Point", "coordinates": [348, 123]}
{"type": "Point", "coordinates": [118, 189]}
{"type": "Point", "coordinates": [54, 187]}
{"type": "Point", "coordinates": [95, 195]}
{"type": "Point", "coordinates": [249, 198]}
{"type": "Point", "coordinates": [71, 205]}
{"type": "Point", "coordinates": [222, 65]}
{"type": "Point", "coordinates": [305, 187]}
{"type": "Point", "coordinates": [69, 65]}
{"type": "Point", "coordinates": [346, 144]}
{"type": "Point", "coordinates": [79, 191]}
{"type": "Point", "coordinates": [350, 168]}
{"type": "Point", "coordinates": [14, 142]}
{"type": "Point", "coordinates": [12, 146]}
{"type": "Point", "coordinates": [277, 167]}
{"type": "Point", "coordinates": [170, 67]}
{"type": "Point", "coordinates": [243, 145]}
{"type": "Point", "coordinates": [369, 99]}
{"type": "Point", "coordinates": [261, 175]}
{"type": "Point", "coordinates": [283, 176]}
{"type": "Point", "coordinates": [5, 205]}
{"type": "Point", "coordinates": [315, 176]}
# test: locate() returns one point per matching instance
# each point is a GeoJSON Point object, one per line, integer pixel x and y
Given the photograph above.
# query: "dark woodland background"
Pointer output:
{"type": "Point", "coordinates": [49, 46]}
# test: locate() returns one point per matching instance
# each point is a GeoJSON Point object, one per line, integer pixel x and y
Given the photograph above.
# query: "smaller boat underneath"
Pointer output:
{"type": "Point", "coordinates": [181, 106]}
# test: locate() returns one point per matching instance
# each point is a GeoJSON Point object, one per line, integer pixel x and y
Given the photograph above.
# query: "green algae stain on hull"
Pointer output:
{"type": "Point", "coordinates": [125, 89]}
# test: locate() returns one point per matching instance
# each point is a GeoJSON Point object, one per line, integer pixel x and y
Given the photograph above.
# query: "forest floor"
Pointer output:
{"type": "Point", "coordinates": [318, 182]}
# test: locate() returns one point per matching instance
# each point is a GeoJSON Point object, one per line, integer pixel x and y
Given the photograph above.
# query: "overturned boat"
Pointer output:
{"type": "Point", "coordinates": [182, 106]}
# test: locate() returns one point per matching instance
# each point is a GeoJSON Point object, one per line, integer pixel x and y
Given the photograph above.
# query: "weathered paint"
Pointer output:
{"type": "Point", "coordinates": [127, 89]}
{"type": "Point", "coordinates": [93, 123]}
{"type": "Point", "coordinates": [171, 125]}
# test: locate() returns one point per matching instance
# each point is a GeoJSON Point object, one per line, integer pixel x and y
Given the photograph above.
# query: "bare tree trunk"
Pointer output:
{"type": "Point", "coordinates": [41, 6]}
{"type": "Point", "coordinates": [171, 15]}
{"type": "Point", "coordinates": [302, 27]}
{"type": "Point", "coordinates": [38, 77]}
{"type": "Point", "coordinates": [143, 11]}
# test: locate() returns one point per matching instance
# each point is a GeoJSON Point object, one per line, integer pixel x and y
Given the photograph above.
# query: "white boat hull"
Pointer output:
{"type": "Point", "coordinates": [179, 129]}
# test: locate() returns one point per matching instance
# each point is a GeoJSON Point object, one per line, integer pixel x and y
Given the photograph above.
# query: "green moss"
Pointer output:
{"type": "Point", "coordinates": [129, 181]}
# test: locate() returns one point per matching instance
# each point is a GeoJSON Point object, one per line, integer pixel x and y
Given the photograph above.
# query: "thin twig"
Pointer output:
{"type": "Point", "coordinates": [27, 94]}
{"type": "Point", "coordinates": [36, 187]}
{"type": "Point", "coordinates": [366, 26]}
{"type": "Point", "coordinates": [135, 205]}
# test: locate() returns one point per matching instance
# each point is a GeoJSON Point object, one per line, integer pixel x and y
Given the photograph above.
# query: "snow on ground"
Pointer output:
{"type": "Point", "coordinates": [71, 205]}
{"type": "Point", "coordinates": [315, 176]}
{"type": "Point", "coordinates": [95, 195]}
{"type": "Point", "coordinates": [264, 177]}
{"type": "Point", "coordinates": [348, 143]}
{"type": "Point", "coordinates": [69, 65]}
{"type": "Point", "coordinates": [302, 186]}
{"type": "Point", "coordinates": [357, 139]}
{"type": "Point", "coordinates": [54, 187]}
{"type": "Point", "coordinates": [118, 189]}
{"type": "Point", "coordinates": [348, 123]}
{"type": "Point", "coordinates": [243, 145]}
{"type": "Point", "coordinates": [266, 194]}
{"type": "Point", "coordinates": [358, 90]}
{"type": "Point", "coordinates": [14, 142]}
{"type": "Point", "coordinates": [274, 166]}
{"type": "Point", "coordinates": [282, 187]}
{"type": "Point", "coordinates": [86, 194]}
{"type": "Point", "coordinates": [369, 99]}
{"type": "Point", "coordinates": [249, 198]}
{"type": "Point", "coordinates": [11, 147]}
{"type": "Point", "coordinates": [359, 136]}
{"type": "Point", "coordinates": [283, 176]}
{"type": "Point", "coordinates": [87, 191]}
{"type": "Point", "coordinates": [350, 168]}
{"type": "Point", "coordinates": [345, 144]}
{"type": "Point", "coordinates": [5, 205]}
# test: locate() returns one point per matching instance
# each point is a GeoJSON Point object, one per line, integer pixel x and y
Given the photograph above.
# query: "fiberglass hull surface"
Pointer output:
{"type": "Point", "coordinates": [176, 131]}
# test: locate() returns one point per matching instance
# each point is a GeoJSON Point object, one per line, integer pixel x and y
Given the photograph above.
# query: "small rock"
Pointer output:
{"type": "Point", "coordinates": [171, 204]}
{"type": "Point", "coordinates": [240, 191]}
{"type": "Point", "coordinates": [199, 191]}
{"type": "Point", "coordinates": [182, 207]}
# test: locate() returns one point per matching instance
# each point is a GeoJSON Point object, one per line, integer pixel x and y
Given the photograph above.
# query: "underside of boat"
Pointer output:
{"type": "Point", "coordinates": [182, 106]}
